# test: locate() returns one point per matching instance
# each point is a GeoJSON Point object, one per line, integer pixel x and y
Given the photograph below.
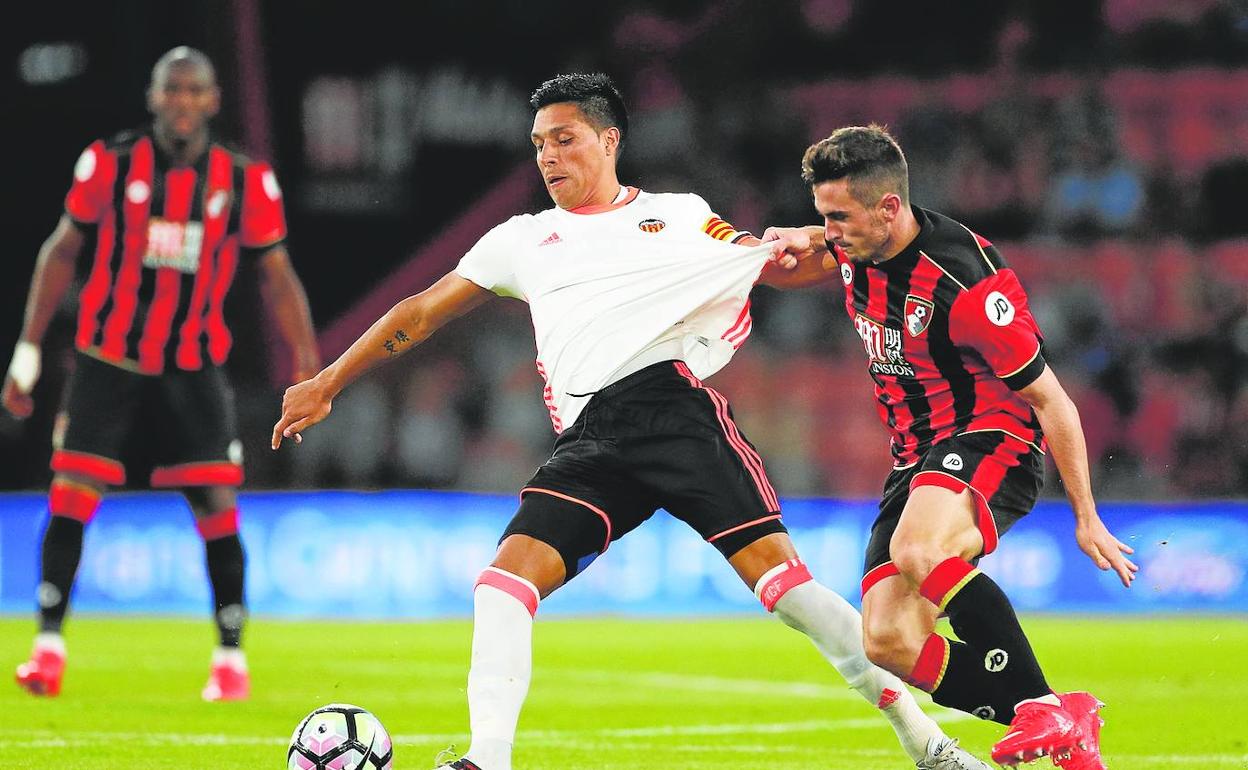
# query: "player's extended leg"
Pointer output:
{"type": "Point", "coordinates": [524, 571]}
{"type": "Point", "coordinates": [72, 502]}
{"type": "Point", "coordinates": [785, 587]}
{"type": "Point", "coordinates": [995, 673]}
{"type": "Point", "coordinates": [216, 519]}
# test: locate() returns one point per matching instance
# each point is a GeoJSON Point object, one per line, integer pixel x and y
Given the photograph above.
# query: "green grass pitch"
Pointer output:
{"type": "Point", "coordinates": [617, 694]}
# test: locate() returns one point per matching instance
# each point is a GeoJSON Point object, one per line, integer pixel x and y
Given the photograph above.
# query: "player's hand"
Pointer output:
{"type": "Point", "coordinates": [16, 403]}
{"type": "Point", "coordinates": [21, 378]}
{"type": "Point", "coordinates": [789, 245]}
{"type": "Point", "coordinates": [303, 405]}
{"type": "Point", "coordinates": [1107, 551]}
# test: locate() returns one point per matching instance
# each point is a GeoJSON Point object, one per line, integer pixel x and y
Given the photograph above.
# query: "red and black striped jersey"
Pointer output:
{"type": "Point", "coordinates": [949, 338]}
{"type": "Point", "coordinates": [168, 243]}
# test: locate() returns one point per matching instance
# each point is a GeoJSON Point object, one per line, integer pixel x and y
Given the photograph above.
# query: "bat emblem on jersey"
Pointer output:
{"type": "Point", "coordinates": [651, 225]}
{"type": "Point", "coordinates": [918, 314]}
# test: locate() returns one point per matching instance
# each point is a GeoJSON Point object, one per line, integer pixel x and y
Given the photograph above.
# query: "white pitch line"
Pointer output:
{"type": "Point", "coordinates": [592, 739]}
{"type": "Point", "coordinates": [712, 684]}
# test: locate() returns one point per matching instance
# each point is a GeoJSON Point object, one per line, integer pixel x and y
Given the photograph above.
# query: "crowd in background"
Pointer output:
{"type": "Point", "coordinates": [1100, 145]}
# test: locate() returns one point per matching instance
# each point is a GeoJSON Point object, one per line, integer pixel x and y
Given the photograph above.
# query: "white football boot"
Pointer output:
{"type": "Point", "coordinates": [944, 754]}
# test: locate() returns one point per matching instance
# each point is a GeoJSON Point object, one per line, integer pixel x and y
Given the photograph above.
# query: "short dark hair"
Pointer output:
{"type": "Point", "coordinates": [867, 155]}
{"type": "Point", "coordinates": [595, 94]}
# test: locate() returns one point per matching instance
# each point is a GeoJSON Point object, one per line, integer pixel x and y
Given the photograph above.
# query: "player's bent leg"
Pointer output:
{"type": "Point", "coordinates": [786, 588]}
{"type": "Point", "coordinates": [216, 520]}
{"type": "Point", "coordinates": [73, 500]}
{"type": "Point", "coordinates": [896, 624]}
{"type": "Point", "coordinates": [993, 673]}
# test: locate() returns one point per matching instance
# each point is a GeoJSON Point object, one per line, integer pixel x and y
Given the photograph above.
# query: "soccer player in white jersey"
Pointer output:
{"type": "Point", "coordinates": [635, 298]}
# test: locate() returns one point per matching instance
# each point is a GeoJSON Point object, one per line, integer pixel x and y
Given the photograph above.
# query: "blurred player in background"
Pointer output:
{"type": "Point", "coordinates": [634, 298]}
{"type": "Point", "coordinates": [172, 214]}
{"type": "Point", "coordinates": [964, 389]}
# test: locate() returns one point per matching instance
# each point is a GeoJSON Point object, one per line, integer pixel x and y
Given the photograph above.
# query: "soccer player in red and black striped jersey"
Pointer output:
{"type": "Point", "coordinates": [962, 385]}
{"type": "Point", "coordinates": [172, 214]}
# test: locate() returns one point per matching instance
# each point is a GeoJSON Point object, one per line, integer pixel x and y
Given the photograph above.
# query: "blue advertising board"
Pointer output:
{"type": "Point", "coordinates": [409, 554]}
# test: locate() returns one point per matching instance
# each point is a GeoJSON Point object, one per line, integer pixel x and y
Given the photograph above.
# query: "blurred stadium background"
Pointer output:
{"type": "Point", "coordinates": [1102, 144]}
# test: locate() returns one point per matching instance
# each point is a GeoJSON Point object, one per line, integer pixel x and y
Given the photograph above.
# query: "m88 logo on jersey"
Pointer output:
{"type": "Point", "coordinates": [883, 346]}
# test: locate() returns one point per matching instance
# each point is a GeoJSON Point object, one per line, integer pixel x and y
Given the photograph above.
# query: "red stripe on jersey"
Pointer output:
{"type": "Point", "coordinates": [95, 291]}
{"type": "Point", "coordinates": [157, 327]}
{"type": "Point", "coordinates": [548, 398]}
{"type": "Point", "coordinates": [218, 194]}
{"type": "Point", "coordinates": [219, 338]}
{"type": "Point", "coordinates": [749, 458]}
{"type": "Point", "coordinates": [740, 328]}
{"type": "Point", "coordinates": [136, 212]}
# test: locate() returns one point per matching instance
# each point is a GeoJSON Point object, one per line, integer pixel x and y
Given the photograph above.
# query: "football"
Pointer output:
{"type": "Point", "coordinates": [340, 737]}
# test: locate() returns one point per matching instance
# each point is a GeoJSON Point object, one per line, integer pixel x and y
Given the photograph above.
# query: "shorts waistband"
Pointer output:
{"type": "Point", "coordinates": [646, 374]}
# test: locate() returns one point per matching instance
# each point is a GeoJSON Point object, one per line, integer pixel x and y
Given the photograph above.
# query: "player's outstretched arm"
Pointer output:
{"type": "Point", "coordinates": [800, 258]}
{"type": "Point", "coordinates": [54, 270]}
{"type": "Point", "coordinates": [406, 325]}
{"type": "Point", "coordinates": [1059, 418]}
{"type": "Point", "coordinates": [283, 293]}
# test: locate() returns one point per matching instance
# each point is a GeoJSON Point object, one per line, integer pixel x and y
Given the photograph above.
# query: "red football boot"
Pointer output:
{"type": "Point", "coordinates": [229, 679]}
{"type": "Point", "coordinates": [41, 675]}
{"type": "Point", "coordinates": [1037, 729]}
{"type": "Point", "coordinates": [1086, 755]}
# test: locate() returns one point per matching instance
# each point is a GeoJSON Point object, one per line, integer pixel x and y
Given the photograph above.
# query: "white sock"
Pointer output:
{"type": "Point", "coordinates": [835, 628]}
{"type": "Point", "coordinates": [231, 656]}
{"type": "Point", "coordinates": [502, 664]}
{"type": "Point", "coordinates": [50, 640]}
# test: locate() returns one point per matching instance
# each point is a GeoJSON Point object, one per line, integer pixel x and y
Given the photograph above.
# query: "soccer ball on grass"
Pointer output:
{"type": "Point", "coordinates": [340, 737]}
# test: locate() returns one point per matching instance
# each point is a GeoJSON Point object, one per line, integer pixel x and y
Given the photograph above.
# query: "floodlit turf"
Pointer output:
{"type": "Point", "coordinates": [618, 694]}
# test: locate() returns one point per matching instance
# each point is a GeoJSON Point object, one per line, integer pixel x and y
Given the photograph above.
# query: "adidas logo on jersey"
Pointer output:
{"type": "Point", "coordinates": [552, 238]}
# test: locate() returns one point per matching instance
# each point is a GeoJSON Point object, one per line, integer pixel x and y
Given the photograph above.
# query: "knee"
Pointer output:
{"type": "Point", "coordinates": [533, 560]}
{"type": "Point", "coordinates": [206, 501]}
{"type": "Point", "coordinates": [889, 647]}
{"type": "Point", "coordinates": [915, 558]}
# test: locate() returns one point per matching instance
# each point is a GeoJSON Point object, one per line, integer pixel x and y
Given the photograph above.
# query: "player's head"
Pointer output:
{"type": "Point", "coordinates": [861, 185]}
{"type": "Point", "coordinates": [579, 125]}
{"type": "Point", "coordinates": [183, 95]}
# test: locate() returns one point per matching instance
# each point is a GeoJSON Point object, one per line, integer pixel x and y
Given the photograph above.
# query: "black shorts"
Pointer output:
{"type": "Point", "coordinates": [184, 421]}
{"type": "Point", "coordinates": [1004, 475]}
{"type": "Point", "coordinates": [658, 438]}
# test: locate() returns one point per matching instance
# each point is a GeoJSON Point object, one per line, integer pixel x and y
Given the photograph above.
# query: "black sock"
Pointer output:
{"type": "Point", "coordinates": [968, 686]}
{"type": "Point", "coordinates": [226, 569]}
{"type": "Point", "coordinates": [62, 550]}
{"type": "Point", "coordinates": [983, 617]}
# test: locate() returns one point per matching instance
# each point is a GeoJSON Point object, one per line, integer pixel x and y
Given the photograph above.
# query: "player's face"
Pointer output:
{"type": "Point", "coordinates": [577, 162]}
{"type": "Point", "coordinates": [183, 98]}
{"type": "Point", "coordinates": [860, 232]}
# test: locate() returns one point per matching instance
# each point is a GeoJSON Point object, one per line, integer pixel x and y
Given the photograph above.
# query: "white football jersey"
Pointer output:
{"type": "Point", "coordinates": [654, 272]}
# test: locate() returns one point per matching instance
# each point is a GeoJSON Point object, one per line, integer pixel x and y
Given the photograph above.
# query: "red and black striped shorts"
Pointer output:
{"type": "Point", "coordinates": [658, 438]}
{"type": "Point", "coordinates": [1003, 473]}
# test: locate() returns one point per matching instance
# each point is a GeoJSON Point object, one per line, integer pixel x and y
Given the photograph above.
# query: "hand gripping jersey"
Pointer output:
{"type": "Point", "coordinates": [948, 336]}
{"type": "Point", "coordinates": [167, 243]}
{"type": "Point", "coordinates": [650, 277]}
